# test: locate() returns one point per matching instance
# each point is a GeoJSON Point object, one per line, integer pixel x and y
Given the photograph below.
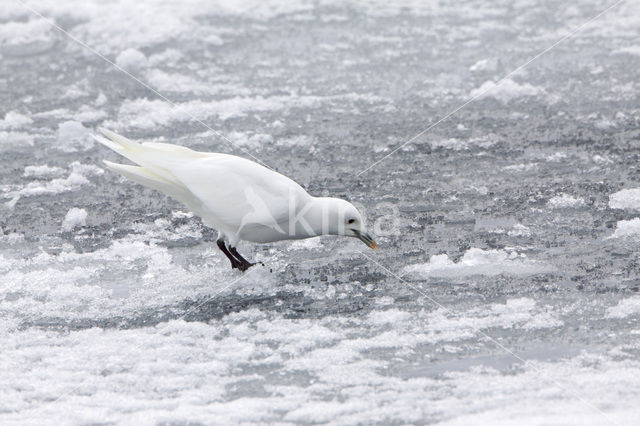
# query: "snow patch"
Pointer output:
{"type": "Point", "coordinates": [456, 144]}
{"type": "Point", "coordinates": [75, 217]}
{"type": "Point", "coordinates": [306, 244]}
{"type": "Point", "coordinates": [625, 199]}
{"type": "Point", "coordinates": [625, 308]}
{"type": "Point", "coordinates": [169, 57]}
{"type": "Point", "coordinates": [131, 60]}
{"type": "Point", "coordinates": [15, 139]}
{"type": "Point", "coordinates": [14, 120]}
{"type": "Point", "coordinates": [100, 100]}
{"type": "Point", "coordinates": [506, 91]}
{"type": "Point", "coordinates": [627, 229]}
{"type": "Point", "coordinates": [25, 38]}
{"type": "Point", "coordinates": [519, 230]}
{"type": "Point", "coordinates": [565, 201]}
{"type": "Point", "coordinates": [11, 238]}
{"type": "Point", "coordinates": [522, 167]}
{"type": "Point", "coordinates": [73, 137]}
{"type": "Point", "coordinates": [250, 140]}
{"type": "Point", "coordinates": [149, 114]}
{"type": "Point", "coordinates": [478, 262]}
{"type": "Point", "coordinates": [631, 50]}
{"type": "Point", "coordinates": [75, 180]}
{"type": "Point", "coordinates": [484, 65]}
{"type": "Point", "coordinates": [42, 171]}
{"type": "Point", "coordinates": [556, 157]}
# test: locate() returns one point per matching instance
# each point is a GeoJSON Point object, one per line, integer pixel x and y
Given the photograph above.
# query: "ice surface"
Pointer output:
{"type": "Point", "coordinates": [515, 304]}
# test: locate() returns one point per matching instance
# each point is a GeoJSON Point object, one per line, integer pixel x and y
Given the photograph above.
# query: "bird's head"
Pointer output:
{"type": "Point", "coordinates": [345, 219]}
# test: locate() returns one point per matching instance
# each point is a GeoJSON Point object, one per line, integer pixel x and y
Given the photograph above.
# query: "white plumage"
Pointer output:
{"type": "Point", "coordinates": [241, 199]}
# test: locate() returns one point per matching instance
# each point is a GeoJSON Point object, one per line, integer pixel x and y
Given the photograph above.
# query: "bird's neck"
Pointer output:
{"type": "Point", "coordinates": [318, 217]}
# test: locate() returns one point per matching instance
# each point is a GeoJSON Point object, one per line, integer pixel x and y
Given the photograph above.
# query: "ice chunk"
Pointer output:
{"type": "Point", "coordinates": [148, 114]}
{"type": "Point", "coordinates": [625, 308]}
{"type": "Point", "coordinates": [14, 120]}
{"type": "Point", "coordinates": [522, 167]}
{"type": "Point", "coordinates": [506, 91]}
{"type": "Point", "coordinates": [484, 65]}
{"type": "Point", "coordinates": [627, 228]}
{"type": "Point", "coordinates": [11, 238]}
{"type": "Point", "coordinates": [26, 38]}
{"type": "Point", "coordinates": [625, 199]}
{"type": "Point", "coordinates": [519, 230]}
{"type": "Point", "coordinates": [178, 214]}
{"type": "Point", "coordinates": [173, 82]}
{"type": "Point", "coordinates": [55, 186]}
{"type": "Point", "coordinates": [565, 201]}
{"type": "Point", "coordinates": [42, 171]}
{"type": "Point", "coordinates": [100, 100]}
{"type": "Point", "coordinates": [73, 136]}
{"type": "Point", "coordinates": [631, 50]}
{"type": "Point", "coordinates": [250, 139]}
{"type": "Point", "coordinates": [132, 60]}
{"type": "Point", "coordinates": [214, 39]}
{"type": "Point", "coordinates": [168, 57]}
{"type": "Point", "coordinates": [478, 262]}
{"type": "Point", "coordinates": [87, 113]}
{"type": "Point", "coordinates": [75, 217]}
{"type": "Point", "coordinates": [556, 157]}
{"type": "Point", "coordinates": [456, 144]}
{"type": "Point", "coordinates": [306, 244]}
{"type": "Point", "coordinates": [15, 139]}
{"type": "Point", "coordinates": [74, 181]}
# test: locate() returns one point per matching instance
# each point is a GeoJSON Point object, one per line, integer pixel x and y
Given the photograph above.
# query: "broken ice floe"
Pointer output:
{"type": "Point", "coordinates": [478, 262]}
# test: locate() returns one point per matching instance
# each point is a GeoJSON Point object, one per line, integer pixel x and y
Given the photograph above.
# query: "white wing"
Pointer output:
{"type": "Point", "coordinates": [233, 188]}
{"type": "Point", "coordinates": [215, 186]}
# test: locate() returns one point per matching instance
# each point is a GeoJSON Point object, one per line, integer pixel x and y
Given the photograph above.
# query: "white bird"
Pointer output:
{"type": "Point", "coordinates": [241, 199]}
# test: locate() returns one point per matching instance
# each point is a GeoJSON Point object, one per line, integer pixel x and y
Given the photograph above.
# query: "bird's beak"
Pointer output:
{"type": "Point", "coordinates": [366, 238]}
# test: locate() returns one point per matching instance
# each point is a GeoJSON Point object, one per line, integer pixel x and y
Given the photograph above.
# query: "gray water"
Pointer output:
{"type": "Point", "coordinates": [505, 288]}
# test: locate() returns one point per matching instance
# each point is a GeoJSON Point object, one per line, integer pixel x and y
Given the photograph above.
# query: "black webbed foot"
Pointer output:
{"type": "Point", "coordinates": [244, 263]}
{"type": "Point", "coordinates": [235, 263]}
{"type": "Point", "coordinates": [236, 259]}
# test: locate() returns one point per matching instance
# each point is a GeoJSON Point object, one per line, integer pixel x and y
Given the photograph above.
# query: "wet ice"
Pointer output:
{"type": "Point", "coordinates": [519, 215]}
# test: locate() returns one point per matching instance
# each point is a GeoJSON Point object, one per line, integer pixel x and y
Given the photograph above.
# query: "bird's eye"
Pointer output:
{"type": "Point", "coordinates": [350, 221]}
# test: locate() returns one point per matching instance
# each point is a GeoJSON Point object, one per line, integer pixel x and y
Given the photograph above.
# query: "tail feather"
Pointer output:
{"type": "Point", "coordinates": [154, 164]}
{"type": "Point", "coordinates": [121, 145]}
{"type": "Point", "coordinates": [120, 140]}
{"type": "Point", "coordinates": [137, 173]}
{"type": "Point", "coordinates": [154, 160]}
{"type": "Point", "coordinates": [109, 144]}
{"type": "Point", "coordinates": [152, 155]}
{"type": "Point", "coordinates": [152, 180]}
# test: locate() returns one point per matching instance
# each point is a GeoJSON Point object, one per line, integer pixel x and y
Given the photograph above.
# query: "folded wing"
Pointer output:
{"type": "Point", "coordinates": [226, 191]}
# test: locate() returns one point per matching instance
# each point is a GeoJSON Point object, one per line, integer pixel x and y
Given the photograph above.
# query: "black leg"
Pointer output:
{"type": "Point", "coordinates": [235, 263]}
{"type": "Point", "coordinates": [245, 263]}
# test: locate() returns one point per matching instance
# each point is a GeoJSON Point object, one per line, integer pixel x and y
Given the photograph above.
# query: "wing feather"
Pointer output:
{"type": "Point", "coordinates": [225, 190]}
{"type": "Point", "coordinates": [229, 186]}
